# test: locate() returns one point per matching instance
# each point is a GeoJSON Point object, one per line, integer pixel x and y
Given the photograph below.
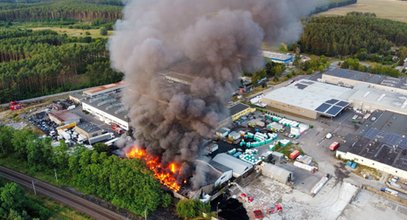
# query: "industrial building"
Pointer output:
{"type": "Point", "coordinates": [235, 111]}
{"type": "Point", "coordinates": [104, 102]}
{"type": "Point", "coordinates": [176, 77]}
{"type": "Point", "coordinates": [63, 117]}
{"type": "Point", "coordinates": [380, 144]}
{"type": "Point", "coordinates": [278, 173]}
{"type": "Point", "coordinates": [239, 167]}
{"type": "Point", "coordinates": [107, 108]}
{"type": "Point", "coordinates": [351, 78]}
{"type": "Point", "coordinates": [100, 90]}
{"type": "Point", "coordinates": [218, 174]}
{"type": "Point", "coordinates": [279, 57]}
{"type": "Point", "coordinates": [238, 110]}
{"type": "Point", "coordinates": [309, 99]}
{"type": "Point", "coordinates": [88, 130]}
{"type": "Point", "coordinates": [368, 99]}
{"type": "Point", "coordinates": [371, 91]}
{"type": "Point", "coordinates": [338, 89]}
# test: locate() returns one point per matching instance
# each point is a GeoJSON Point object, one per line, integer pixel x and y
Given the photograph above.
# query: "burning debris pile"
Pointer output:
{"type": "Point", "coordinates": [166, 175]}
{"type": "Point", "coordinates": [212, 42]}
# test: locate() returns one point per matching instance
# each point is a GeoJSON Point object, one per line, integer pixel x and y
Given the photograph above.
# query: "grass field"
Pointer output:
{"type": "Point", "coordinates": [389, 9]}
{"type": "Point", "coordinates": [60, 212]}
{"type": "Point", "coordinates": [95, 33]}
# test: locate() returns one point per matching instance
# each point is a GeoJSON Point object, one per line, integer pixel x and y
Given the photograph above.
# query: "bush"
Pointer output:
{"type": "Point", "coordinates": [103, 31]}
{"type": "Point", "coordinates": [190, 208]}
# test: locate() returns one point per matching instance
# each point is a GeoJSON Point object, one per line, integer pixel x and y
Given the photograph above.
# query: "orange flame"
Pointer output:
{"type": "Point", "coordinates": [164, 174]}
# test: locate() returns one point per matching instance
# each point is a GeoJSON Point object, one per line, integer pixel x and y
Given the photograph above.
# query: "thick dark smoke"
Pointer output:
{"type": "Point", "coordinates": [210, 42]}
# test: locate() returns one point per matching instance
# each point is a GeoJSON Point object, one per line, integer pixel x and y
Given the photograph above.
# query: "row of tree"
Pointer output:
{"type": "Point", "coordinates": [49, 10]}
{"type": "Point", "coordinates": [354, 64]}
{"type": "Point", "coordinates": [16, 205]}
{"type": "Point", "coordinates": [35, 63]}
{"type": "Point", "coordinates": [127, 184]}
{"type": "Point", "coordinates": [348, 35]}
{"type": "Point", "coordinates": [324, 5]}
{"type": "Point", "coordinates": [314, 64]}
{"type": "Point", "coordinates": [270, 70]}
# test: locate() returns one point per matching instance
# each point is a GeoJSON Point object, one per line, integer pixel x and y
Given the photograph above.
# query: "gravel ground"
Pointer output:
{"type": "Point", "coordinates": [327, 204]}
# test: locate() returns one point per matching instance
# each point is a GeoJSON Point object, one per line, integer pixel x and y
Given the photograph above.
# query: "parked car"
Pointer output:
{"type": "Point", "coordinates": [328, 136]}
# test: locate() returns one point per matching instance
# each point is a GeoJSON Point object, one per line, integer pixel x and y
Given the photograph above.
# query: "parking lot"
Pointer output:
{"type": "Point", "coordinates": [41, 120]}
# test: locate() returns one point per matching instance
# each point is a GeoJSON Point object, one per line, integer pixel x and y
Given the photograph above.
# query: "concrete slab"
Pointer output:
{"type": "Point", "coordinates": [368, 205]}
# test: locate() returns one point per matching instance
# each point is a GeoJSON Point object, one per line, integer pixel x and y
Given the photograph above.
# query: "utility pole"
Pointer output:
{"type": "Point", "coordinates": [217, 210]}
{"type": "Point", "coordinates": [145, 214]}
{"type": "Point", "coordinates": [56, 176]}
{"type": "Point", "coordinates": [35, 191]}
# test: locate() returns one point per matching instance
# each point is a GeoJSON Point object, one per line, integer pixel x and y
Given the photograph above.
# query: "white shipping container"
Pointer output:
{"type": "Point", "coordinates": [305, 166]}
{"type": "Point", "coordinates": [319, 185]}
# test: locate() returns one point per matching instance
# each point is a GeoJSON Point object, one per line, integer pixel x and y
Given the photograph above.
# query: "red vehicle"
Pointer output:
{"type": "Point", "coordinates": [295, 154]}
{"type": "Point", "coordinates": [258, 214]}
{"type": "Point", "coordinates": [334, 146]}
{"type": "Point", "coordinates": [14, 105]}
{"type": "Point", "coordinates": [116, 128]}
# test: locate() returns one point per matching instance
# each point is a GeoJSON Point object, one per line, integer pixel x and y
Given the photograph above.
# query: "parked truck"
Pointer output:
{"type": "Point", "coordinates": [15, 105]}
{"type": "Point", "coordinates": [103, 137]}
{"type": "Point", "coordinates": [116, 128]}
{"type": "Point", "coordinates": [334, 146]}
{"type": "Point", "coordinates": [388, 190]}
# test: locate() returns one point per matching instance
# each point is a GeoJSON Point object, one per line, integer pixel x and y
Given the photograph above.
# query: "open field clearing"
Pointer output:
{"type": "Point", "coordinates": [389, 9]}
{"type": "Point", "coordinates": [95, 33]}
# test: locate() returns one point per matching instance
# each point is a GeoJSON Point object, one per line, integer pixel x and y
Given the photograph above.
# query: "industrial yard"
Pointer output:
{"type": "Point", "coordinates": [277, 164]}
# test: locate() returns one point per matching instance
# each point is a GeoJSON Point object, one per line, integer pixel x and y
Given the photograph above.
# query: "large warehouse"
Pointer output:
{"type": "Point", "coordinates": [107, 108]}
{"type": "Point", "coordinates": [239, 167]}
{"type": "Point", "coordinates": [279, 57]}
{"type": "Point", "coordinates": [351, 78]}
{"type": "Point", "coordinates": [104, 102]}
{"type": "Point", "coordinates": [367, 98]}
{"type": "Point", "coordinates": [380, 144]}
{"type": "Point", "coordinates": [329, 96]}
{"type": "Point", "coordinates": [309, 99]}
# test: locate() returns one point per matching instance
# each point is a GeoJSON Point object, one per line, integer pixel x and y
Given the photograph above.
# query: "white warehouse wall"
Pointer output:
{"type": "Point", "coordinates": [373, 164]}
{"type": "Point", "coordinates": [108, 118]}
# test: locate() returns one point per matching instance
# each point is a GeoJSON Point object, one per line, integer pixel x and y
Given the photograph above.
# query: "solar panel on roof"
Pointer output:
{"type": "Point", "coordinates": [332, 101]}
{"type": "Point", "coordinates": [334, 110]}
{"type": "Point", "coordinates": [300, 86]}
{"type": "Point", "coordinates": [323, 107]}
{"type": "Point", "coordinates": [342, 104]}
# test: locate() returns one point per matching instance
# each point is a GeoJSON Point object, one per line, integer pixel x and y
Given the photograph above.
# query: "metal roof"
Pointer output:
{"type": "Point", "coordinates": [64, 115]}
{"type": "Point", "coordinates": [383, 140]}
{"type": "Point", "coordinates": [383, 100]}
{"type": "Point", "coordinates": [369, 78]}
{"type": "Point", "coordinates": [238, 108]}
{"type": "Point", "coordinates": [239, 167]}
{"type": "Point", "coordinates": [104, 89]}
{"type": "Point", "coordinates": [109, 103]}
{"type": "Point", "coordinates": [277, 56]}
{"type": "Point", "coordinates": [276, 172]}
{"type": "Point", "coordinates": [88, 127]}
{"type": "Point", "coordinates": [312, 95]}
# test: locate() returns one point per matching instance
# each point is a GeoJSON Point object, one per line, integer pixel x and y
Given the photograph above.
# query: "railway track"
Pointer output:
{"type": "Point", "coordinates": [82, 205]}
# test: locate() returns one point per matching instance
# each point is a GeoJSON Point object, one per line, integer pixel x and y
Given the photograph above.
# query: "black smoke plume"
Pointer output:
{"type": "Point", "coordinates": [206, 45]}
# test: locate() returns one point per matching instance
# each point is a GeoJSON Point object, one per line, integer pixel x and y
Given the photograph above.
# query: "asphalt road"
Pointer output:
{"type": "Point", "coordinates": [47, 96]}
{"type": "Point", "coordinates": [82, 205]}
